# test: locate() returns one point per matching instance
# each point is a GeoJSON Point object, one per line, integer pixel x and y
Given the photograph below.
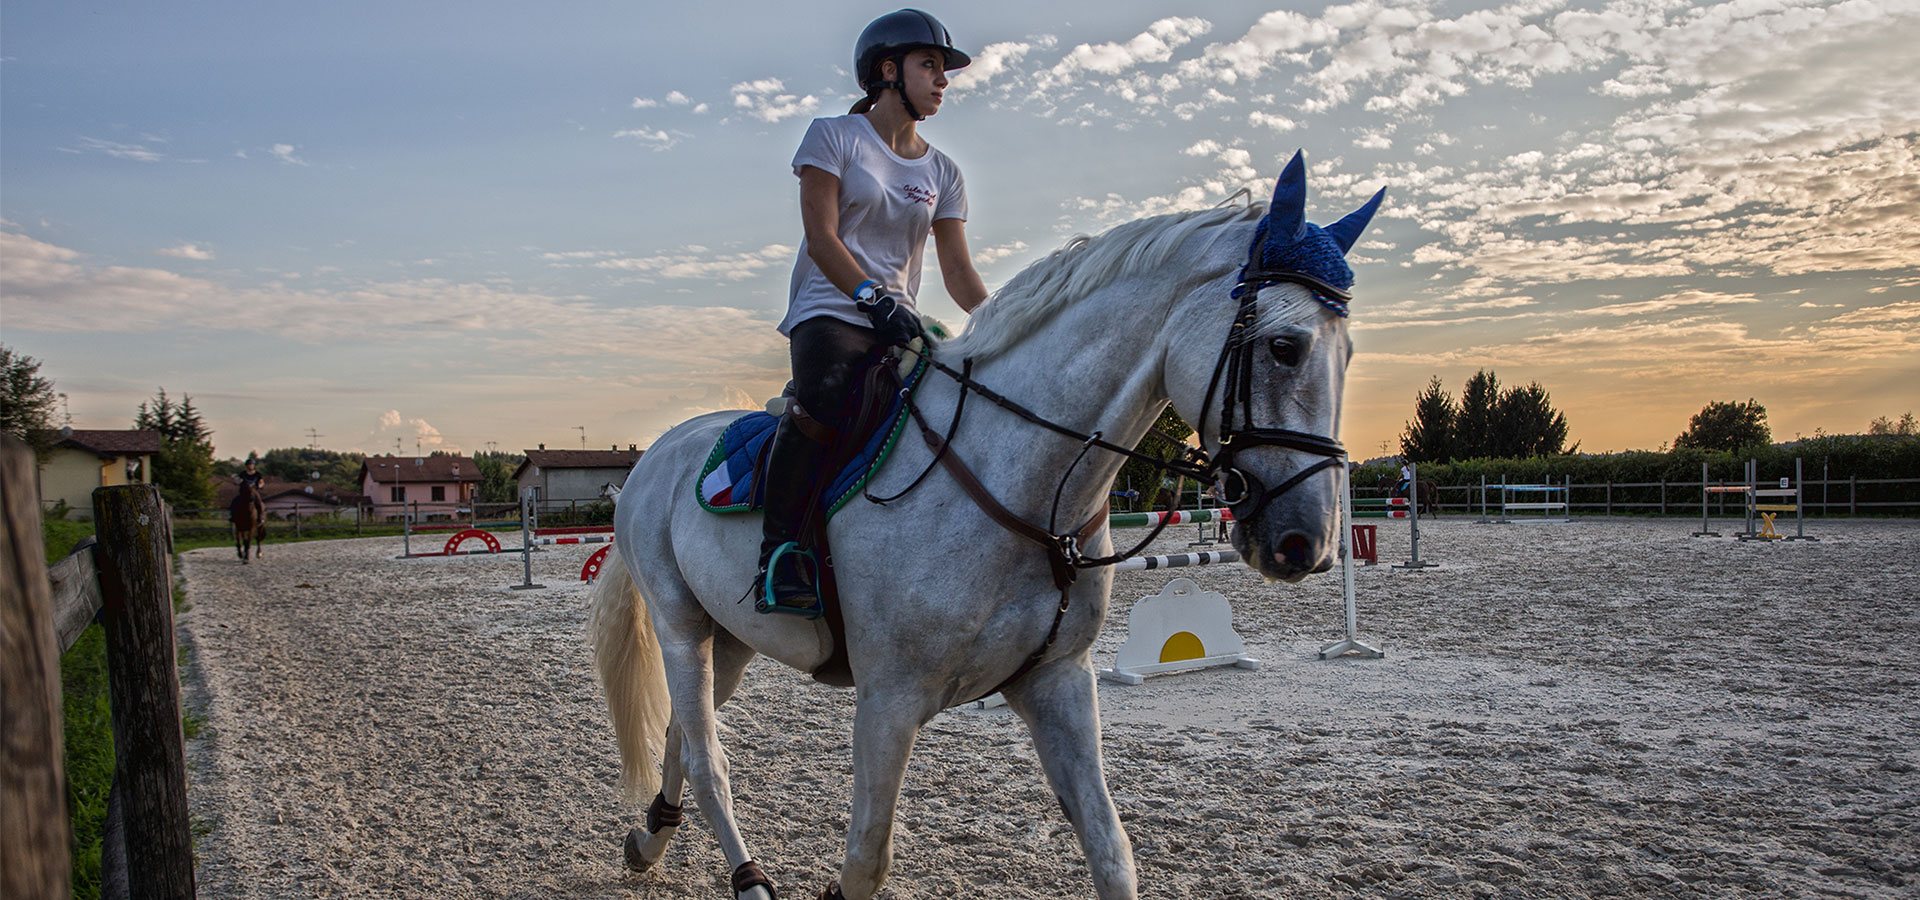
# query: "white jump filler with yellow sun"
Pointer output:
{"type": "Point", "coordinates": [1180, 629]}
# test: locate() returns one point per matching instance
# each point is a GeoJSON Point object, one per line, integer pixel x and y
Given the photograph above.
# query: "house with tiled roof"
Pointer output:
{"type": "Point", "coordinates": [569, 476]}
{"type": "Point", "coordinates": [440, 486]}
{"type": "Point", "coordinates": [84, 459]}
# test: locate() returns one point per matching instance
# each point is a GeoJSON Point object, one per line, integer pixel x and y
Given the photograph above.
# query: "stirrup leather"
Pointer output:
{"type": "Point", "coordinates": [805, 569]}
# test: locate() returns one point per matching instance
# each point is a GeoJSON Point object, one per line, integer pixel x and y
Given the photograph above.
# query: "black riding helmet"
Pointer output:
{"type": "Point", "coordinates": [893, 36]}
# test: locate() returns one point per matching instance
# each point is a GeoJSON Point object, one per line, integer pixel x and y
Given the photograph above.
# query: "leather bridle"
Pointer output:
{"type": "Point", "coordinates": [1238, 434]}
{"type": "Point", "coordinates": [1233, 370]}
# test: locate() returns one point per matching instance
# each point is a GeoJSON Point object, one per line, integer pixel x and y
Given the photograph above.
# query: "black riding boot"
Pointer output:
{"type": "Point", "coordinates": [792, 472]}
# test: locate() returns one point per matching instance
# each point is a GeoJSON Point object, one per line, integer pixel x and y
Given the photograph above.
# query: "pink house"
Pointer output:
{"type": "Point", "coordinates": [440, 486]}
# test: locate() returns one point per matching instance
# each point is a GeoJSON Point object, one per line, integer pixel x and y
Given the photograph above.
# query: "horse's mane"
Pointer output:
{"type": "Point", "coordinates": [1082, 266]}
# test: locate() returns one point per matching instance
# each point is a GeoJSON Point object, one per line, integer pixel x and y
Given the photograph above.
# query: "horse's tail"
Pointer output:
{"type": "Point", "coordinates": [628, 654]}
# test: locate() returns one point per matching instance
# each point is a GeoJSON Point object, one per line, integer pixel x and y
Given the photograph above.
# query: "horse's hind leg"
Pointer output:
{"type": "Point", "coordinates": [1057, 702]}
{"type": "Point", "coordinates": [687, 642]}
{"type": "Point", "coordinates": [645, 845]}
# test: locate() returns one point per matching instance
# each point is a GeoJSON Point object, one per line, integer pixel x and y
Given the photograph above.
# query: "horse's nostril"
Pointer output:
{"type": "Point", "coordinates": [1296, 549]}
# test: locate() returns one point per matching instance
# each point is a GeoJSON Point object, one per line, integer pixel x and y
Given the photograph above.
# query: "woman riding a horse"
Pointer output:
{"type": "Point", "coordinates": [871, 190]}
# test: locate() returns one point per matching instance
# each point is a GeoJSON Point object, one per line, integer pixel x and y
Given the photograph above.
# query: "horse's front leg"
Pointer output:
{"type": "Point", "coordinates": [885, 726]}
{"type": "Point", "coordinates": [1058, 703]}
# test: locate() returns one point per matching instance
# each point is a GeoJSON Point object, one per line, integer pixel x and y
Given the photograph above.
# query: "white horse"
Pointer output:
{"type": "Point", "coordinates": [942, 604]}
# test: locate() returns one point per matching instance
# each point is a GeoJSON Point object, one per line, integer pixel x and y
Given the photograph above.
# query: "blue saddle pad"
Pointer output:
{"type": "Point", "coordinates": [732, 479]}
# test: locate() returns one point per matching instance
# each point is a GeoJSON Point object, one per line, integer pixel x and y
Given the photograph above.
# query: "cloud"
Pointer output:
{"type": "Point", "coordinates": [287, 154]}
{"type": "Point", "coordinates": [1270, 120]}
{"type": "Point", "coordinates": [1682, 300]}
{"type": "Point", "coordinates": [698, 262]}
{"type": "Point", "coordinates": [1275, 35]}
{"type": "Point", "coordinates": [115, 149]}
{"type": "Point", "coordinates": [991, 61]}
{"type": "Point", "coordinates": [1156, 44]}
{"type": "Point", "coordinates": [54, 289]}
{"type": "Point", "coordinates": [993, 254]}
{"type": "Point", "coordinates": [767, 99]}
{"type": "Point", "coordinates": [645, 103]}
{"type": "Point", "coordinates": [400, 430]}
{"type": "Point", "coordinates": [1906, 311]}
{"type": "Point", "coordinates": [187, 251]}
{"type": "Point", "coordinates": [652, 138]}
{"type": "Point", "coordinates": [677, 99]}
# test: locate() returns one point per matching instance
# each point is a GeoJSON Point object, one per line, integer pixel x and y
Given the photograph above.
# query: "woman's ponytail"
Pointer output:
{"type": "Point", "coordinates": [860, 107]}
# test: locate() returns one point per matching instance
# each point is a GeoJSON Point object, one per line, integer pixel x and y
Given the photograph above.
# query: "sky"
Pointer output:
{"type": "Point", "coordinates": [469, 226]}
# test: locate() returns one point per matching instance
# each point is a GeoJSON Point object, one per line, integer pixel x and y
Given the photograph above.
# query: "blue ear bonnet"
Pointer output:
{"type": "Point", "coordinates": [1285, 242]}
{"type": "Point", "coordinates": [1316, 254]}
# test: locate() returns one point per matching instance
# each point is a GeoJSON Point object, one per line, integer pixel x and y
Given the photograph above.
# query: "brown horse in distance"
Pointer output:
{"type": "Point", "coordinates": [1429, 493]}
{"type": "Point", "coordinates": [249, 515]}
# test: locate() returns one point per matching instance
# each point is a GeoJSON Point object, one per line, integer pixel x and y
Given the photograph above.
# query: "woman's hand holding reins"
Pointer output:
{"type": "Point", "coordinates": [897, 324]}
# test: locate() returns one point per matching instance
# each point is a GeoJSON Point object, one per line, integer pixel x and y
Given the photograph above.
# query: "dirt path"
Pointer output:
{"type": "Point", "coordinates": [1607, 707]}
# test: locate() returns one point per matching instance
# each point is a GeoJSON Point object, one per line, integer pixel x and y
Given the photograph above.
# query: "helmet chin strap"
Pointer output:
{"type": "Point", "coordinates": [900, 69]}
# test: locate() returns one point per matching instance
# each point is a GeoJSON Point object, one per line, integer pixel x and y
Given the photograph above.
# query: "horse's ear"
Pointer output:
{"type": "Point", "coordinates": [1287, 215]}
{"type": "Point", "coordinates": [1348, 229]}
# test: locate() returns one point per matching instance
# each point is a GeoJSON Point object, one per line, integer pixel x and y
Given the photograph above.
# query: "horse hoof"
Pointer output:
{"type": "Point", "coordinates": [635, 859]}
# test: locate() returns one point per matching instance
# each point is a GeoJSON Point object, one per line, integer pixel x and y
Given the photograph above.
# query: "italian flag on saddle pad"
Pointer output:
{"type": "Point", "coordinates": [732, 479]}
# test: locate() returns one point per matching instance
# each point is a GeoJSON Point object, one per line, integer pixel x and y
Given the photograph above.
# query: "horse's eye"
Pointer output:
{"type": "Point", "coordinates": [1288, 350]}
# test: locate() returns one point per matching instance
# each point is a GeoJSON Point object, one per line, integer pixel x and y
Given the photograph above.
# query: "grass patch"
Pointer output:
{"type": "Point", "coordinates": [88, 733]}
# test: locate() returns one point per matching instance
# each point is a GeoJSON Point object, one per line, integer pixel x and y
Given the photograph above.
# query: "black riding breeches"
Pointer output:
{"type": "Point", "coordinates": [830, 359]}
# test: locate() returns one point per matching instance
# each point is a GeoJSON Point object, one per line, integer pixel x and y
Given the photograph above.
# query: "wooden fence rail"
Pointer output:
{"type": "Point", "coordinates": [125, 576]}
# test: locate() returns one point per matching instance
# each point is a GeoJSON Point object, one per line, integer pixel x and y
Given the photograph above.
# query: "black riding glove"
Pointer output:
{"type": "Point", "coordinates": [896, 324]}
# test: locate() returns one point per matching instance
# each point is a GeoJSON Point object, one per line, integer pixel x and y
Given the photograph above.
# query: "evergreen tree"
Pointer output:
{"type": "Point", "coordinates": [1473, 427]}
{"type": "Point", "coordinates": [1727, 426]}
{"type": "Point", "coordinates": [26, 400]}
{"type": "Point", "coordinates": [184, 467]}
{"type": "Point", "coordinates": [1529, 425]}
{"type": "Point", "coordinates": [1430, 436]}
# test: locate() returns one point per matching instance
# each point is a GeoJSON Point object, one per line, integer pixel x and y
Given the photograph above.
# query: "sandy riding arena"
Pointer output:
{"type": "Point", "coordinates": [1603, 708]}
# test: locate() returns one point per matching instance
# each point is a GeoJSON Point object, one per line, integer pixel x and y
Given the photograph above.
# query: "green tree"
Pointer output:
{"type": "Point", "coordinates": [304, 464]}
{"type": "Point", "coordinates": [1884, 425]}
{"type": "Point", "coordinates": [1429, 437]}
{"type": "Point", "coordinates": [1140, 473]}
{"type": "Point", "coordinates": [184, 467]}
{"type": "Point", "coordinates": [27, 400]}
{"type": "Point", "coordinates": [1727, 426]}
{"type": "Point", "coordinates": [1528, 425]}
{"type": "Point", "coordinates": [496, 476]}
{"type": "Point", "coordinates": [1473, 427]}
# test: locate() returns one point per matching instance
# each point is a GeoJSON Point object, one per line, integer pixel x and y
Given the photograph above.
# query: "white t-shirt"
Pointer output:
{"type": "Point", "coordinates": [887, 208]}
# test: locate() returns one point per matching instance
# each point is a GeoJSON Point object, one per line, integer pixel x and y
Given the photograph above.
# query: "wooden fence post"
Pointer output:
{"type": "Point", "coordinates": [34, 833]}
{"type": "Point", "coordinates": [149, 750]}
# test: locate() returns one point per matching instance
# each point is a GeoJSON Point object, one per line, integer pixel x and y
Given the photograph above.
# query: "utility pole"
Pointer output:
{"type": "Point", "coordinates": [396, 446]}
{"type": "Point", "coordinates": [313, 439]}
{"type": "Point", "coordinates": [583, 435]}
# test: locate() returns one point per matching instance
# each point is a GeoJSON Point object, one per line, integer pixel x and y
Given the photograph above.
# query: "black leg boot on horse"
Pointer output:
{"type": "Point", "coordinates": [789, 579]}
